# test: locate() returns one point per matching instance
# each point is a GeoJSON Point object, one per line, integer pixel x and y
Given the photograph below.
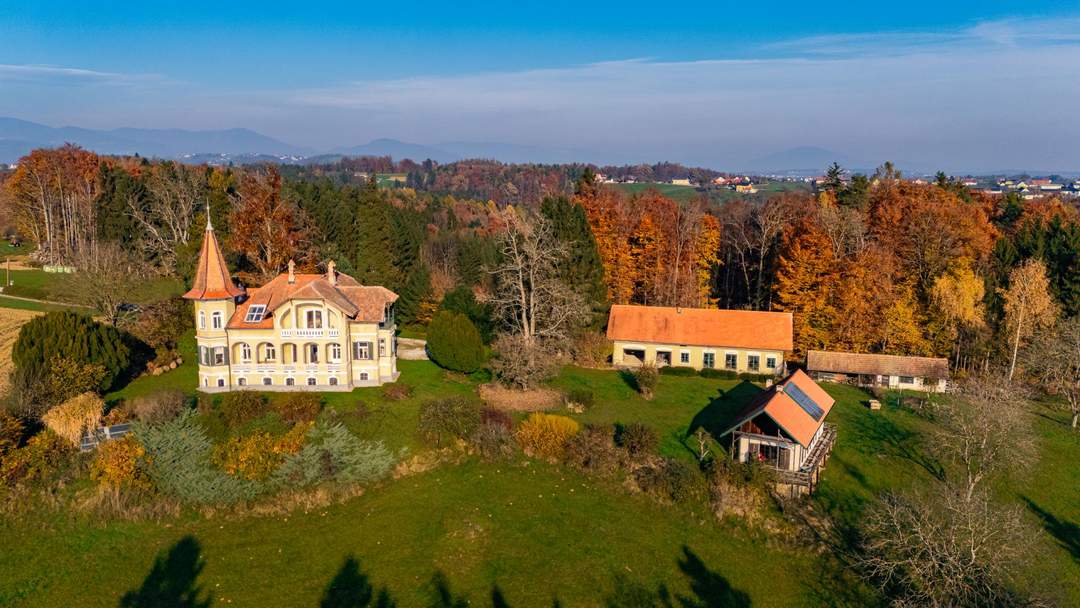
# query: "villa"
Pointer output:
{"type": "Point", "coordinates": [322, 332]}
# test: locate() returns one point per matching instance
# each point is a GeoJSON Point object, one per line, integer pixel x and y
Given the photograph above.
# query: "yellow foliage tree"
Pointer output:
{"type": "Point", "coordinates": [1029, 306]}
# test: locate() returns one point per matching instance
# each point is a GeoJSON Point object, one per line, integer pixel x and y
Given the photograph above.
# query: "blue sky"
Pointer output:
{"type": "Point", "coordinates": [995, 84]}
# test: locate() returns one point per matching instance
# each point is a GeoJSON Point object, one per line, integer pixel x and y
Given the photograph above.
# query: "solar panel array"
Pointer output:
{"type": "Point", "coordinates": [805, 402]}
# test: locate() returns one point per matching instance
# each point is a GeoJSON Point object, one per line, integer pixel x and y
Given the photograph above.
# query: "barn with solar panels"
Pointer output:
{"type": "Point", "coordinates": [784, 428]}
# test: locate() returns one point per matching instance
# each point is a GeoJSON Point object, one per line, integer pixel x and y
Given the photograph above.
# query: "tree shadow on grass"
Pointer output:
{"type": "Point", "coordinates": [172, 580]}
{"type": "Point", "coordinates": [709, 589]}
{"type": "Point", "coordinates": [1066, 533]}
{"type": "Point", "coordinates": [351, 588]}
{"type": "Point", "coordinates": [628, 377]}
{"type": "Point", "coordinates": [719, 414]}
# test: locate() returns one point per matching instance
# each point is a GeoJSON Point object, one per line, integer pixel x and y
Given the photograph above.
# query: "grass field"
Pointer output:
{"type": "Point", "coordinates": [522, 533]}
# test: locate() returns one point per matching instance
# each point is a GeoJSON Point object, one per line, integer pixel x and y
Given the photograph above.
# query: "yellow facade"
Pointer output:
{"type": "Point", "coordinates": [739, 360]}
{"type": "Point", "coordinates": [322, 351]}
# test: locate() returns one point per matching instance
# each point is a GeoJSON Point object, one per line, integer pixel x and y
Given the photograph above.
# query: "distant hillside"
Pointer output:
{"type": "Point", "coordinates": [400, 150]}
{"type": "Point", "coordinates": [19, 137]}
{"type": "Point", "coordinates": [804, 160]}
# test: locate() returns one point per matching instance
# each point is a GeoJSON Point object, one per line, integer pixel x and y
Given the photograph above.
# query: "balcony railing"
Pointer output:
{"type": "Point", "coordinates": [310, 333]}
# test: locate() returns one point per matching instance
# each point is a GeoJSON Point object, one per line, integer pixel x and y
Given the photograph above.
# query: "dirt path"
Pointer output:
{"type": "Point", "coordinates": [411, 348]}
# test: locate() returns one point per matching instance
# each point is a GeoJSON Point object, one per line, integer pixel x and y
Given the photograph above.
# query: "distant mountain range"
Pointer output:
{"type": "Point", "coordinates": [241, 146]}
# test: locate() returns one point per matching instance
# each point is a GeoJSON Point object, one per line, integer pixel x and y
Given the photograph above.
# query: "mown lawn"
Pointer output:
{"type": "Point", "coordinates": [526, 532]}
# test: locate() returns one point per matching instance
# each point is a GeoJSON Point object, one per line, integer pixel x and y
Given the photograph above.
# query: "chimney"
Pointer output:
{"type": "Point", "coordinates": [292, 272]}
{"type": "Point", "coordinates": [331, 273]}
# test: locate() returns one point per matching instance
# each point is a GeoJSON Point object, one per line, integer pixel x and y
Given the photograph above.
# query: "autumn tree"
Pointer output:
{"type": "Point", "coordinates": [805, 278]}
{"type": "Point", "coordinates": [107, 280]}
{"type": "Point", "coordinates": [266, 229]}
{"type": "Point", "coordinates": [957, 297]}
{"type": "Point", "coordinates": [1029, 306]}
{"type": "Point", "coordinates": [176, 192]}
{"type": "Point", "coordinates": [1053, 359]}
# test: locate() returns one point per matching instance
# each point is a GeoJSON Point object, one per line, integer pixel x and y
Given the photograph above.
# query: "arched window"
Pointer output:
{"type": "Point", "coordinates": [206, 382]}
{"type": "Point", "coordinates": [216, 320]}
{"type": "Point", "coordinates": [245, 352]}
{"type": "Point", "coordinates": [290, 381]}
{"type": "Point", "coordinates": [333, 381]}
{"type": "Point", "coordinates": [241, 381]}
{"type": "Point", "coordinates": [334, 350]}
{"type": "Point", "coordinates": [269, 353]}
{"type": "Point", "coordinates": [268, 381]}
{"type": "Point", "coordinates": [311, 353]}
{"type": "Point", "coordinates": [202, 319]}
{"type": "Point", "coordinates": [311, 381]}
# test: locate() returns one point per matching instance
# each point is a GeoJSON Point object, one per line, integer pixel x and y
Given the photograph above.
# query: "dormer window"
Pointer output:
{"type": "Point", "coordinates": [255, 313]}
{"type": "Point", "coordinates": [314, 319]}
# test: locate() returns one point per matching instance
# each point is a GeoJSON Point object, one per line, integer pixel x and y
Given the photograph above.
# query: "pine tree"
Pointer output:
{"type": "Point", "coordinates": [454, 342]}
{"type": "Point", "coordinates": [581, 269]}
{"type": "Point", "coordinates": [71, 336]}
{"type": "Point", "coordinates": [373, 251]}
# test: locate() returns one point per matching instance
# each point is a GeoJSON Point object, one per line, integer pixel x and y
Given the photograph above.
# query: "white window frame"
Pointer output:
{"type": "Point", "coordinates": [770, 362]}
{"type": "Point", "coordinates": [335, 353]}
{"type": "Point", "coordinates": [311, 381]}
{"type": "Point", "coordinates": [202, 319]}
{"type": "Point", "coordinates": [333, 381]}
{"type": "Point", "coordinates": [684, 357]}
{"type": "Point", "coordinates": [705, 360]}
{"type": "Point", "coordinates": [362, 350]}
{"type": "Point", "coordinates": [218, 355]}
{"type": "Point", "coordinates": [311, 315]}
{"type": "Point", "coordinates": [269, 353]}
{"type": "Point", "coordinates": [734, 367]}
{"type": "Point", "coordinates": [245, 352]}
{"type": "Point", "coordinates": [255, 313]}
{"type": "Point", "coordinates": [217, 320]}
{"type": "Point", "coordinates": [267, 381]}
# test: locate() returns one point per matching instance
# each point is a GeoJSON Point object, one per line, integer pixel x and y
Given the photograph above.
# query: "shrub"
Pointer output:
{"type": "Point", "coordinates": [638, 439]}
{"type": "Point", "coordinates": [158, 407]}
{"type": "Point", "coordinates": [397, 391]}
{"type": "Point", "coordinates": [582, 397]}
{"type": "Point", "coordinates": [11, 432]}
{"type": "Point", "coordinates": [239, 407]}
{"type": "Point", "coordinates": [678, 371]}
{"type": "Point", "coordinates": [497, 417]}
{"type": "Point", "coordinates": [454, 342]}
{"type": "Point", "coordinates": [332, 452]}
{"type": "Point", "coordinates": [591, 349]}
{"type": "Point", "coordinates": [646, 378]}
{"type": "Point", "coordinates": [161, 324]}
{"type": "Point", "coordinates": [523, 364]}
{"type": "Point", "coordinates": [259, 454]}
{"type": "Point", "coordinates": [723, 374]}
{"type": "Point", "coordinates": [448, 419]}
{"type": "Point", "coordinates": [39, 459]}
{"type": "Point", "coordinates": [178, 453]}
{"type": "Point", "coordinates": [299, 407]}
{"type": "Point", "coordinates": [546, 435]}
{"type": "Point", "coordinates": [74, 417]}
{"type": "Point", "coordinates": [670, 479]}
{"type": "Point", "coordinates": [748, 377]}
{"type": "Point", "coordinates": [117, 464]}
{"type": "Point", "coordinates": [73, 336]}
{"type": "Point", "coordinates": [461, 299]}
{"type": "Point", "coordinates": [593, 450]}
{"type": "Point", "coordinates": [493, 440]}
{"type": "Point", "coordinates": [67, 378]}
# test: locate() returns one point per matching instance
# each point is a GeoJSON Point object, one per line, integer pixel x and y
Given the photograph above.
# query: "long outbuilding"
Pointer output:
{"type": "Point", "coordinates": [930, 374]}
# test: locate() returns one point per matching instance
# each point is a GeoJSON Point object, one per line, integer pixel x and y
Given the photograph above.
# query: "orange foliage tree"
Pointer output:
{"type": "Point", "coordinates": [267, 229]}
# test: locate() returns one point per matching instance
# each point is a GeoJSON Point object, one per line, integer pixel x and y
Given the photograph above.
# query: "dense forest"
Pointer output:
{"type": "Point", "coordinates": [872, 264]}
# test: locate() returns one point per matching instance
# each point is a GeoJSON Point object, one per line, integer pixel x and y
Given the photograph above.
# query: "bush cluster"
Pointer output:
{"type": "Point", "coordinates": [593, 450]}
{"type": "Point", "coordinates": [239, 407]}
{"type": "Point", "coordinates": [117, 464]}
{"type": "Point", "coordinates": [493, 439]}
{"type": "Point", "coordinates": [646, 378]}
{"type": "Point", "coordinates": [397, 391]}
{"type": "Point", "coordinates": [637, 439]}
{"type": "Point", "coordinates": [669, 479]}
{"type": "Point", "coordinates": [158, 407]}
{"type": "Point", "coordinates": [299, 408]}
{"type": "Point", "coordinates": [75, 417]}
{"type": "Point", "coordinates": [678, 371]}
{"type": "Point", "coordinates": [257, 455]}
{"type": "Point", "coordinates": [42, 457]}
{"type": "Point", "coordinates": [546, 435]}
{"type": "Point", "coordinates": [11, 432]}
{"type": "Point", "coordinates": [333, 453]}
{"type": "Point", "coordinates": [449, 419]}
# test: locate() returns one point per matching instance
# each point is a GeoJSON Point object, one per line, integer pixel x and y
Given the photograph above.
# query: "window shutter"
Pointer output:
{"type": "Point", "coordinates": [370, 351]}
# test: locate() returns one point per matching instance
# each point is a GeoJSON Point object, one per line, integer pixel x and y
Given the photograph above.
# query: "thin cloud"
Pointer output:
{"type": "Point", "coordinates": [38, 73]}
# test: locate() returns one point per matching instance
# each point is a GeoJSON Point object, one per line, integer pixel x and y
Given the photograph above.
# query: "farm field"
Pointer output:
{"type": "Point", "coordinates": [11, 320]}
{"type": "Point", "coordinates": [688, 193]}
{"type": "Point", "coordinates": [489, 533]}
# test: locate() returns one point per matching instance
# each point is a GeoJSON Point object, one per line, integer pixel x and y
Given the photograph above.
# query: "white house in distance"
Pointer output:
{"type": "Point", "coordinates": [928, 374]}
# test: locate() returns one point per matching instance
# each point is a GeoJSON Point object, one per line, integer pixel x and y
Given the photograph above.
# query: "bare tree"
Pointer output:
{"type": "Point", "coordinates": [984, 432]}
{"type": "Point", "coordinates": [176, 192]}
{"type": "Point", "coordinates": [105, 279]}
{"type": "Point", "coordinates": [1053, 358]}
{"type": "Point", "coordinates": [944, 548]}
{"type": "Point", "coordinates": [536, 307]}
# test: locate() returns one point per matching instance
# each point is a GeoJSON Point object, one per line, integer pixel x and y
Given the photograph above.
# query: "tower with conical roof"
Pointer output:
{"type": "Point", "coordinates": [214, 296]}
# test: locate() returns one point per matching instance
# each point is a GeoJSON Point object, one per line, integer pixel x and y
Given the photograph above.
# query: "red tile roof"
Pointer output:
{"type": "Point", "coordinates": [358, 302]}
{"type": "Point", "coordinates": [785, 411]}
{"type": "Point", "coordinates": [212, 280]}
{"type": "Point", "coordinates": [701, 327]}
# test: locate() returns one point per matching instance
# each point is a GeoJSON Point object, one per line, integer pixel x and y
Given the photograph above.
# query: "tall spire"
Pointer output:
{"type": "Point", "coordinates": [212, 280]}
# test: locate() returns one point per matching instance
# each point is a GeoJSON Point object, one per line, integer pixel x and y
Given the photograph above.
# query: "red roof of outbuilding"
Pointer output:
{"type": "Point", "coordinates": [701, 327]}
